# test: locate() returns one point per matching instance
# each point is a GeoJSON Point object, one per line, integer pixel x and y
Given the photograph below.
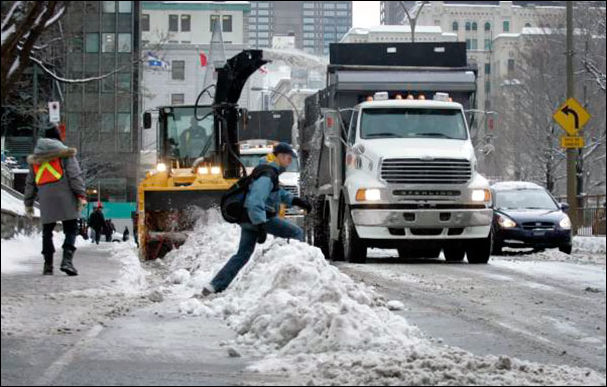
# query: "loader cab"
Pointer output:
{"type": "Point", "coordinates": [183, 138]}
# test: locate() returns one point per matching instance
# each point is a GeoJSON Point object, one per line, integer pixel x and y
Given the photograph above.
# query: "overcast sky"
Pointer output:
{"type": "Point", "coordinates": [365, 13]}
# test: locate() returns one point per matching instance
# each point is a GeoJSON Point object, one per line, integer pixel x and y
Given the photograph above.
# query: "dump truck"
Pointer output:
{"type": "Point", "coordinates": [387, 154]}
{"type": "Point", "coordinates": [198, 159]}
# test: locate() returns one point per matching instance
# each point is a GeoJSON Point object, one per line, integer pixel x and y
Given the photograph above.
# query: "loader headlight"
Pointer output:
{"type": "Point", "coordinates": [481, 195]}
{"type": "Point", "coordinates": [161, 167]}
{"type": "Point", "coordinates": [215, 170]}
{"type": "Point", "coordinates": [370, 195]}
{"type": "Point", "coordinates": [565, 223]}
{"type": "Point", "coordinates": [203, 170]}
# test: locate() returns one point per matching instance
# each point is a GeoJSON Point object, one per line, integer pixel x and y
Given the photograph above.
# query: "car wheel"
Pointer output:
{"type": "Point", "coordinates": [405, 253]}
{"type": "Point", "coordinates": [566, 249]}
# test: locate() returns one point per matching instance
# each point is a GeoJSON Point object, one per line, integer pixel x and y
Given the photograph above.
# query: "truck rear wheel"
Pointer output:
{"type": "Point", "coordinates": [479, 250]}
{"type": "Point", "coordinates": [354, 249]}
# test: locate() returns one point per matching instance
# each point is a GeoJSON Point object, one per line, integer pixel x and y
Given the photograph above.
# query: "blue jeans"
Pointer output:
{"type": "Point", "coordinates": [248, 238]}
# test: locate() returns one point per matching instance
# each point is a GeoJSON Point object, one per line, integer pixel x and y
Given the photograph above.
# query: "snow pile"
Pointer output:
{"type": "Point", "coordinates": [132, 279]}
{"type": "Point", "coordinates": [318, 325]}
{"type": "Point", "coordinates": [24, 252]}
{"type": "Point", "coordinates": [11, 203]}
{"type": "Point", "coordinates": [593, 245]}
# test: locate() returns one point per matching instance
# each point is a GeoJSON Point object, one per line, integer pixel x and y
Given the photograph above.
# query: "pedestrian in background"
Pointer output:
{"type": "Point", "coordinates": [97, 222]}
{"type": "Point", "coordinates": [55, 179]}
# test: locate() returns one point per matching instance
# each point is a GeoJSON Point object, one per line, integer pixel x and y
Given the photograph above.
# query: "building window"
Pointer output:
{"type": "Point", "coordinates": [454, 26]}
{"type": "Point", "coordinates": [92, 43]}
{"type": "Point", "coordinates": [227, 23]}
{"type": "Point", "coordinates": [487, 68]}
{"type": "Point", "coordinates": [487, 87]}
{"type": "Point", "coordinates": [177, 99]}
{"type": "Point", "coordinates": [506, 26]}
{"type": "Point", "coordinates": [308, 5]}
{"type": "Point", "coordinates": [185, 23]}
{"type": "Point", "coordinates": [527, 25]}
{"type": "Point", "coordinates": [178, 70]}
{"type": "Point", "coordinates": [487, 104]}
{"type": "Point", "coordinates": [488, 44]}
{"type": "Point", "coordinates": [108, 43]}
{"type": "Point", "coordinates": [474, 26]}
{"type": "Point", "coordinates": [473, 44]}
{"type": "Point", "coordinates": [107, 84]}
{"type": "Point", "coordinates": [173, 23]}
{"type": "Point", "coordinates": [510, 66]}
{"type": "Point", "coordinates": [109, 6]}
{"type": "Point", "coordinates": [124, 42]}
{"type": "Point", "coordinates": [124, 82]}
{"type": "Point", "coordinates": [124, 7]}
{"type": "Point", "coordinates": [487, 26]}
{"type": "Point", "coordinates": [467, 26]}
{"type": "Point", "coordinates": [107, 122]}
{"type": "Point", "coordinates": [214, 18]}
{"type": "Point", "coordinates": [124, 122]}
{"type": "Point", "coordinates": [145, 22]}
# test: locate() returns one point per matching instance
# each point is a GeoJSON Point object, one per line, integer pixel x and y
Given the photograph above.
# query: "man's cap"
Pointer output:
{"type": "Point", "coordinates": [283, 147]}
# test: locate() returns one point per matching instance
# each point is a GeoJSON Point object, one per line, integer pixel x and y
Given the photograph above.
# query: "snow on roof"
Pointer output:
{"type": "Point", "coordinates": [395, 29]}
{"type": "Point", "coordinates": [514, 185]}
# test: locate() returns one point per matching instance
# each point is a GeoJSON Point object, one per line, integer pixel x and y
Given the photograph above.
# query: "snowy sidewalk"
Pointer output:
{"type": "Point", "coordinates": [102, 327]}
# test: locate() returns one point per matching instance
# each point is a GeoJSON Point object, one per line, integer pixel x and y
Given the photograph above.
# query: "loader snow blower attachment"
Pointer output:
{"type": "Point", "coordinates": [198, 160]}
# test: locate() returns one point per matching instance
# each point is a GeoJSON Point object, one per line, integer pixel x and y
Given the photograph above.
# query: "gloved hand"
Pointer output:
{"type": "Point", "coordinates": [302, 203]}
{"type": "Point", "coordinates": [262, 234]}
{"type": "Point", "coordinates": [29, 212]}
{"type": "Point", "coordinates": [81, 204]}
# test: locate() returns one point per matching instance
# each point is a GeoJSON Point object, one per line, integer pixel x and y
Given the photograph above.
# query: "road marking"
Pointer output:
{"type": "Point", "coordinates": [55, 369]}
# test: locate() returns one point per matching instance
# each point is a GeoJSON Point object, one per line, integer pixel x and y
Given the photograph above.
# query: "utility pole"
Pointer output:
{"type": "Point", "coordinates": [571, 153]}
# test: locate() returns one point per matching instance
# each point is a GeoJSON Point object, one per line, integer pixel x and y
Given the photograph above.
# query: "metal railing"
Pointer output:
{"type": "Point", "coordinates": [590, 215]}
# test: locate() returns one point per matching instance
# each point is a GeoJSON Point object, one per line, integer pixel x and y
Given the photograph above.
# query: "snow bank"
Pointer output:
{"type": "Point", "coordinates": [133, 278]}
{"type": "Point", "coordinates": [24, 252]}
{"type": "Point", "coordinates": [593, 245]}
{"type": "Point", "coordinates": [11, 203]}
{"type": "Point", "coordinates": [315, 323]}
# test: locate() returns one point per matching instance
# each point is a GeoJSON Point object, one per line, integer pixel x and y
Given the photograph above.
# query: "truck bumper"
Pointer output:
{"type": "Point", "coordinates": [422, 223]}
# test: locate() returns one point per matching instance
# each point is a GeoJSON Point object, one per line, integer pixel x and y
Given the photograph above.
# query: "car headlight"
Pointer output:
{"type": "Point", "coordinates": [505, 222]}
{"type": "Point", "coordinates": [203, 170]}
{"type": "Point", "coordinates": [161, 167]}
{"type": "Point", "coordinates": [565, 223]}
{"type": "Point", "coordinates": [371, 194]}
{"type": "Point", "coordinates": [215, 170]}
{"type": "Point", "coordinates": [481, 195]}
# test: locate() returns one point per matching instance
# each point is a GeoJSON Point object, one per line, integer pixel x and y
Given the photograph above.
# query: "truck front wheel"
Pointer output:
{"type": "Point", "coordinates": [479, 250]}
{"type": "Point", "coordinates": [355, 250]}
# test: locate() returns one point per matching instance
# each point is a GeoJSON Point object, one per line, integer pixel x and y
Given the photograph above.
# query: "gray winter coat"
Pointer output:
{"type": "Point", "coordinates": [58, 200]}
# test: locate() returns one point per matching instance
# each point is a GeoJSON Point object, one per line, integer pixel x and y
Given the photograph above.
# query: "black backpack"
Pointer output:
{"type": "Point", "coordinates": [232, 202]}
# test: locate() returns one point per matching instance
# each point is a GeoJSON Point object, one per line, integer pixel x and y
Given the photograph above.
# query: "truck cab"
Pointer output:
{"type": "Point", "coordinates": [410, 174]}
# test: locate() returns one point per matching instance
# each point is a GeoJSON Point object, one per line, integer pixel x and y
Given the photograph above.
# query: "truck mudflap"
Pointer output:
{"type": "Point", "coordinates": [422, 223]}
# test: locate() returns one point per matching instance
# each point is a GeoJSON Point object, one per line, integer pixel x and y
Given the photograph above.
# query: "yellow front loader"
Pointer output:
{"type": "Point", "coordinates": [198, 160]}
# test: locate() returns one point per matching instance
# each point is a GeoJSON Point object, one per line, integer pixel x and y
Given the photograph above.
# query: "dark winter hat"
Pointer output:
{"type": "Point", "coordinates": [52, 132]}
{"type": "Point", "coordinates": [283, 147]}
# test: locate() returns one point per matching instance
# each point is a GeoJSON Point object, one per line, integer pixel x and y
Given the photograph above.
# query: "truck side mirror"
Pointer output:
{"type": "Point", "coordinates": [147, 120]}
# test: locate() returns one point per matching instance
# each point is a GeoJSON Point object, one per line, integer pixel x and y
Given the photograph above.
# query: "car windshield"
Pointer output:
{"type": "Point", "coordinates": [524, 199]}
{"type": "Point", "coordinates": [188, 138]}
{"type": "Point", "coordinates": [413, 123]}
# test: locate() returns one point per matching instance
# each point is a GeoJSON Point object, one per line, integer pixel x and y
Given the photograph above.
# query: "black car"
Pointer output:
{"type": "Point", "coordinates": [526, 215]}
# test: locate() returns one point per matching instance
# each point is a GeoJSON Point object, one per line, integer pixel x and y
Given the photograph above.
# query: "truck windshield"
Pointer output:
{"type": "Point", "coordinates": [187, 137]}
{"type": "Point", "coordinates": [412, 123]}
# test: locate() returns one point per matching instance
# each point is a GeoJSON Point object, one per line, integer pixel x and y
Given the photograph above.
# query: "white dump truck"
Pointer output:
{"type": "Point", "coordinates": [389, 158]}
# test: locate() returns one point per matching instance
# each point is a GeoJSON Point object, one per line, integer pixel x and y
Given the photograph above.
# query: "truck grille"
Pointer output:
{"type": "Point", "coordinates": [418, 171]}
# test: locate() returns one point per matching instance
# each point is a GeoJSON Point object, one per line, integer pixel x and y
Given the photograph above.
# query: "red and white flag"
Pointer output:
{"type": "Point", "coordinates": [203, 59]}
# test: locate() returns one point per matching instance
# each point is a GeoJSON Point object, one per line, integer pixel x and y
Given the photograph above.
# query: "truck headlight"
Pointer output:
{"type": "Point", "coordinates": [505, 222]}
{"type": "Point", "coordinates": [161, 167]}
{"type": "Point", "coordinates": [203, 170]}
{"type": "Point", "coordinates": [215, 170]}
{"type": "Point", "coordinates": [371, 194]}
{"type": "Point", "coordinates": [481, 195]}
{"type": "Point", "coordinates": [565, 223]}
